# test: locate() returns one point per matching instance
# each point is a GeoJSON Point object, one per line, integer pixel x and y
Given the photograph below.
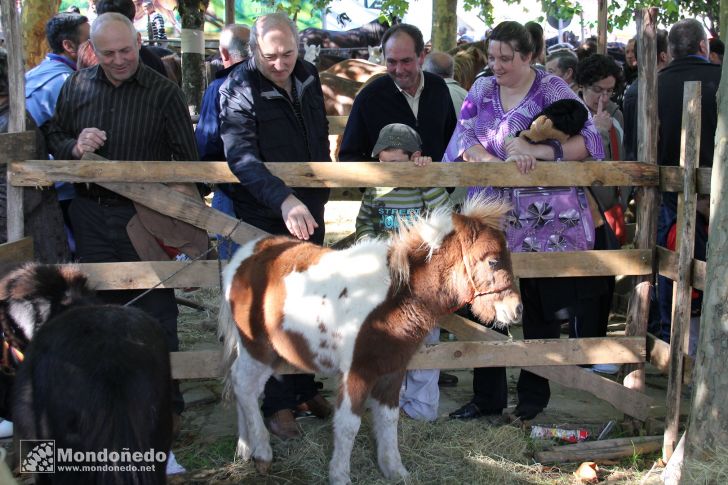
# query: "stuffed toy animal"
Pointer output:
{"type": "Point", "coordinates": [558, 121]}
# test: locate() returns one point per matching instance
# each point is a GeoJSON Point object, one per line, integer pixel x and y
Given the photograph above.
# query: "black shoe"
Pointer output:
{"type": "Point", "coordinates": [469, 411]}
{"type": "Point", "coordinates": [447, 380]}
{"type": "Point", "coordinates": [527, 413]}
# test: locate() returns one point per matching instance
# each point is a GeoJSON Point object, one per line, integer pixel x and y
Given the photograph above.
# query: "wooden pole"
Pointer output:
{"type": "Point", "coordinates": [687, 200]}
{"type": "Point", "coordinates": [646, 236]}
{"type": "Point", "coordinates": [708, 427]}
{"type": "Point", "coordinates": [16, 122]}
{"type": "Point", "coordinates": [602, 28]}
{"type": "Point", "coordinates": [229, 12]}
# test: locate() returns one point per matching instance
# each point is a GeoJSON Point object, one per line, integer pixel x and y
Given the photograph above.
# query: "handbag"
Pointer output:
{"type": "Point", "coordinates": [549, 219]}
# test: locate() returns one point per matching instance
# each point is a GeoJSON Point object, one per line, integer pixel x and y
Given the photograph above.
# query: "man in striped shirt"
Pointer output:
{"type": "Point", "coordinates": [122, 110]}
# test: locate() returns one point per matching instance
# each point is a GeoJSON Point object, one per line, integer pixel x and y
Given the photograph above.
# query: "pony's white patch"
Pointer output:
{"type": "Point", "coordinates": [337, 294]}
{"type": "Point", "coordinates": [23, 313]}
{"type": "Point", "coordinates": [385, 420]}
{"type": "Point", "coordinates": [346, 426]}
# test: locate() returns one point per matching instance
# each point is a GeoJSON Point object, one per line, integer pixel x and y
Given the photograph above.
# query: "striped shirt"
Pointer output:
{"type": "Point", "coordinates": [145, 118]}
{"type": "Point", "coordinates": [383, 207]}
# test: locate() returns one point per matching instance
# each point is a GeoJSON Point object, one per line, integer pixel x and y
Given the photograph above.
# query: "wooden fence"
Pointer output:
{"type": "Point", "coordinates": [556, 359]}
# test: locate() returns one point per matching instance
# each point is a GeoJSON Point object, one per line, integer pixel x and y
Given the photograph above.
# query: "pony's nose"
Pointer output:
{"type": "Point", "coordinates": [519, 311]}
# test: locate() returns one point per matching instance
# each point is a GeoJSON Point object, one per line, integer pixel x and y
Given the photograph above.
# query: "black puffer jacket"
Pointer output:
{"type": "Point", "coordinates": [258, 124]}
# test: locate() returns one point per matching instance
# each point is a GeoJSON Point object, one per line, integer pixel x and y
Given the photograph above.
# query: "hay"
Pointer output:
{"type": "Point", "coordinates": [443, 452]}
{"type": "Point", "coordinates": [711, 470]}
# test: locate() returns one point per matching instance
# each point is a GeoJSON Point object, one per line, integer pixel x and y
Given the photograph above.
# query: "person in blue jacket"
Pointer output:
{"type": "Point", "coordinates": [234, 49]}
{"type": "Point", "coordinates": [65, 32]}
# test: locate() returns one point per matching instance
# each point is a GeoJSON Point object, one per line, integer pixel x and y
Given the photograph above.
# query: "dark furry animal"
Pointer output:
{"type": "Point", "coordinates": [568, 115]}
{"type": "Point", "coordinates": [30, 295]}
{"type": "Point", "coordinates": [98, 378]}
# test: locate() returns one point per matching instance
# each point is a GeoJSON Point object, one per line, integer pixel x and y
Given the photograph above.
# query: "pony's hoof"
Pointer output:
{"type": "Point", "coordinates": [397, 474]}
{"type": "Point", "coordinates": [262, 466]}
{"type": "Point", "coordinates": [243, 451]}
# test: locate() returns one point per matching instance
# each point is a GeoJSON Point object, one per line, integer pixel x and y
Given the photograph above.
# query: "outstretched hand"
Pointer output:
{"type": "Point", "coordinates": [298, 218]}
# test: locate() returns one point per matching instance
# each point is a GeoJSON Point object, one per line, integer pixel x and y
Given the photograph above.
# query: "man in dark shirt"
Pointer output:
{"type": "Point", "coordinates": [121, 110]}
{"type": "Point", "coordinates": [407, 95]}
{"type": "Point", "coordinates": [272, 110]}
{"type": "Point", "coordinates": [688, 44]}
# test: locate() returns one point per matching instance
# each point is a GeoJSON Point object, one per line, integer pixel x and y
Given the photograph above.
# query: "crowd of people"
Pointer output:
{"type": "Point", "coordinates": [267, 105]}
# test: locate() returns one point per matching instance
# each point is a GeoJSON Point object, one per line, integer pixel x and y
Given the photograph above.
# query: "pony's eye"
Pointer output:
{"type": "Point", "coordinates": [493, 263]}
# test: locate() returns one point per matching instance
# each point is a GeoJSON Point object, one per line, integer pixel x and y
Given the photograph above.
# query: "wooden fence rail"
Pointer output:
{"type": "Point", "coordinates": [325, 174]}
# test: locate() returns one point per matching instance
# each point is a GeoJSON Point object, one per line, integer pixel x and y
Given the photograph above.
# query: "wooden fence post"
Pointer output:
{"type": "Point", "coordinates": [646, 236]}
{"type": "Point", "coordinates": [682, 291]}
{"type": "Point", "coordinates": [16, 123]}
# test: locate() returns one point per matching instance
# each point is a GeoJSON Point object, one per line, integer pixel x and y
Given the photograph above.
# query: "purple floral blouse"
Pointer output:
{"type": "Point", "coordinates": [483, 121]}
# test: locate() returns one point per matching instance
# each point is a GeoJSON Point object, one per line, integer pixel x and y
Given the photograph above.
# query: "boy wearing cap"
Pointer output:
{"type": "Point", "coordinates": [381, 210]}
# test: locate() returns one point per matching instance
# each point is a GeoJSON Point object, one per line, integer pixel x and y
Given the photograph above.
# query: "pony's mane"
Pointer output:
{"type": "Point", "coordinates": [488, 209]}
{"type": "Point", "coordinates": [423, 232]}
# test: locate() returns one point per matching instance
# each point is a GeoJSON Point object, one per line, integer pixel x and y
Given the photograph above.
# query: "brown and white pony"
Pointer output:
{"type": "Point", "coordinates": [360, 313]}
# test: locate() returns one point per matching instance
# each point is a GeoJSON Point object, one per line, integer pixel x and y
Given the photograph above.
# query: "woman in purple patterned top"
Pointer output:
{"type": "Point", "coordinates": [495, 110]}
{"type": "Point", "coordinates": [500, 106]}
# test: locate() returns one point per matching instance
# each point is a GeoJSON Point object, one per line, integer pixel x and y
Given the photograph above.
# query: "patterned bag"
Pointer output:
{"type": "Point", "coordinates": [549, 219]}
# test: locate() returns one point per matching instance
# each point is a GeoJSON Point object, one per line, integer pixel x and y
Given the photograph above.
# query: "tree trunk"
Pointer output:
{"type": "Point", "coordinates": [229, 12]}
{"type": "Point", "coordinates": [602, 27]}
{"type": "Point", "coordinates": [192, 13]}
{"type": "Point", "coordinates": [444, 24]}
{"type": "Point", "coordinates": [723, 21]}
{"type": "Point", "coordinates": [707, 433]}
{"type": "Point", "coordinates": [34, 16]}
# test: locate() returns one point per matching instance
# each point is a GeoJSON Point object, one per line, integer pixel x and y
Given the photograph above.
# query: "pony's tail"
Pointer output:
{"type": "Point", "coordinates": [227, 331]}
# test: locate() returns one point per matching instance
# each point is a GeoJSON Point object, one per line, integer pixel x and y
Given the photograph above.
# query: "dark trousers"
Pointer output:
{"type": "Point", "coordinates": [547, 303]}
{"type": "Point", "coordinates": [101, 237]}
{"type": "Point", "coordinates": [284, 392]}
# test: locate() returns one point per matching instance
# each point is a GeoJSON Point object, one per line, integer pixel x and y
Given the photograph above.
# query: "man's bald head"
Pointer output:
{"type": "Point", "coordinates": [439, 63]}
{"type": "Point", "coordinates": [234, 44]}
{"type": "Point", "coordinates": [116, 45]}
{"type": "Point", "coordinates": [103, 20]}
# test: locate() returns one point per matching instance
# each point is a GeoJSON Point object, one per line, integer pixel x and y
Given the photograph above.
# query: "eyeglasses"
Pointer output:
{"type": "Point", "coordinates": [598, 90]}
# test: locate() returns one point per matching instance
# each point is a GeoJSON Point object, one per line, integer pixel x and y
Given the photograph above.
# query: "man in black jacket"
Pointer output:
{"type": "Point", "coordinates": [689, 48]}
{"type": "Point", "coordinates": [407, 95]}
{"type": "Point", "coordinates": [272, 110]}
